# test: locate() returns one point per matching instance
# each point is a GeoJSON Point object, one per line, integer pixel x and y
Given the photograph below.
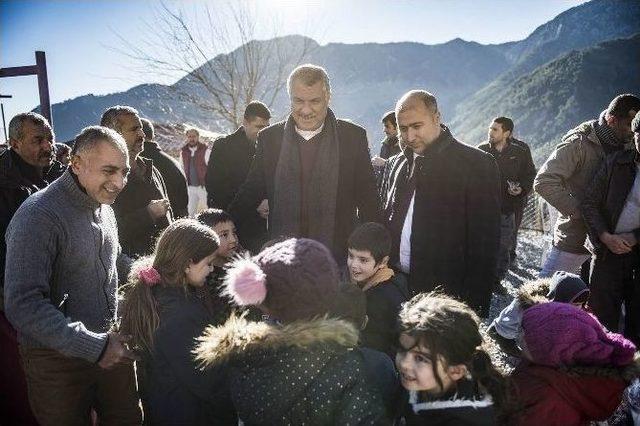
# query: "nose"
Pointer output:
{"type": "Point", "coordinates": [402, 361]}
{"type": "Point", "coordinates": [411, 135]}
{"type": "Point", "coordinates": [234, 238]}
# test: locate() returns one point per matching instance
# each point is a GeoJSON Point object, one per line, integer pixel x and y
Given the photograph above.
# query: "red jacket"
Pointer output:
{"type": "Point", "coordinates": [553, 397]}
{"type": "Point", "coordinates": [201, 165]}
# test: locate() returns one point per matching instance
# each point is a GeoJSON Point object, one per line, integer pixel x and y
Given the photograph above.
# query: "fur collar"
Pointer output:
{"type": "Point", "coordinates": [533, 292]}
{"type": "Point", "coordinates": [239, 336]}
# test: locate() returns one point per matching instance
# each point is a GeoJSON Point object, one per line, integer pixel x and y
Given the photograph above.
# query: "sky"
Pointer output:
{"type": "Point", "coordinates": [83, 40]}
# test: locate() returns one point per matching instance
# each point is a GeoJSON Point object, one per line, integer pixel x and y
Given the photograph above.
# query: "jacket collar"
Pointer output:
{"type": "Point", "coordinates": [70, 184]}
{"type": "Point", "coordinates": [442, 142]}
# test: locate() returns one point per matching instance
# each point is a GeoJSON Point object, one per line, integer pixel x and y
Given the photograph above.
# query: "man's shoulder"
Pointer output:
{"type": "Point", "coordinates": [470, 153]}
{"type": "Point", "coordinates": [580, 133]}
{"type": "Point", "coordinates": [484, 146]}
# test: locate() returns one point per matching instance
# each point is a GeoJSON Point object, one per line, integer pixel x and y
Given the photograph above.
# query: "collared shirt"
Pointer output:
{"type": "Point", "coordinates": [308, 134]}
{"type": "Point", "coordinates": [405, 236]}
{"type": "Point", "coordinates": [630, 216]}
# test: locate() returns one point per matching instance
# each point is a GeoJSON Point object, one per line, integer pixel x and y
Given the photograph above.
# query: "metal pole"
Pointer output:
{"type": "Point", "coordinates": [43, 86]}
{"type": "Point", "coordinates": [4, 123]}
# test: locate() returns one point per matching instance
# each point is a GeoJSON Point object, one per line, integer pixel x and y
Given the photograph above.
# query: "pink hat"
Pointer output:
{"type": "Point", "coordinates": [560, 334]}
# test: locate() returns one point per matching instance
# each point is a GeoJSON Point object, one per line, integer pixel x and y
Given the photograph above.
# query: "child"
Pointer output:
{"type": "Point", "coordinates": [369, 246]}
{"type": "Point", "coordinates": [450, 378]}
{"type": "Point", "coordinates": [576, 370]}
{"type": "Point", "coordinates": [299, 367]}
{"type": "Point", "coordinates": [163, 315]}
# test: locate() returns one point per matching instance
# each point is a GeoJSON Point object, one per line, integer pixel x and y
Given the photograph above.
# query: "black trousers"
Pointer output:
{"type": "Point", "coordinates": [614, 280]}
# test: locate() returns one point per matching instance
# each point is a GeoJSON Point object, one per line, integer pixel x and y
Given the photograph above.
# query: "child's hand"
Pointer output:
{"type": "Point", "coordinates": [158, 208]}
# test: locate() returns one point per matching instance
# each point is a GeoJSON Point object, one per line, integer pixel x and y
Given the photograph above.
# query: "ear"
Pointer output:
{"type": "Point", "coordinates": [437, 117]}
{"type": "Point", "coordinates": [456, 372]}
{"type": "Point", "coordinates": [188, 268]}
{"type": "Point", "coordinates": [610, 119]}
{"type": "Point", "coordinates": [384, 262]}
{"type": "Point", "coordinates": [76, 163]}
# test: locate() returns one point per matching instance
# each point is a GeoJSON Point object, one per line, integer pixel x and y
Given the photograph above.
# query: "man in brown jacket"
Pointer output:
{"type": "Point", "coordinates": [565, 177]}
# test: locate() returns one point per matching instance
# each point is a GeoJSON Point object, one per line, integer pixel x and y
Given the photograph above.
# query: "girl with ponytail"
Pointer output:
{"type": "Point", "coordinates": [448, 375]}
{"type": "Point", "coordinates": [164, 311]}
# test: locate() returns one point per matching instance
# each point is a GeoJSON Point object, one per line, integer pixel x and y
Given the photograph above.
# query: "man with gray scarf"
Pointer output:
{"type": "Point", "coordinates": [563, 180]}
{"type": "Point", "coordinates": [314, 169]}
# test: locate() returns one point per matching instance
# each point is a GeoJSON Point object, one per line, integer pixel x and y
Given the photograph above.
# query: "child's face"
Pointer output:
{"type": "Point", "coordinates": [197, 272]}
{"type": "Point", "coordinates": [228, 239]}
{"type": "Point", "coordinates": [362, 265]}
{"type": "Point", "coordinates": [416, 367]}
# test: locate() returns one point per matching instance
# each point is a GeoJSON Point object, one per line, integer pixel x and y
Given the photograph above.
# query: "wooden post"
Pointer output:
{"type": "Point", "coordinates": [43, 86]}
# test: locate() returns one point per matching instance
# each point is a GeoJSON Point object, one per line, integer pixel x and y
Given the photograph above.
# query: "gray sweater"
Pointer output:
{"type": "Point", "coordinates": [61, 274]}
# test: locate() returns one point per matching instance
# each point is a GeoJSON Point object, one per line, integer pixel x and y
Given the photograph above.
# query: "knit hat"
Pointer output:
{"type": "Point", "coordinates": [559, 334]}
{"type": "Point", "coordinates": [291, 280]}
{"type": "Point", "coordinates": [566, 287]}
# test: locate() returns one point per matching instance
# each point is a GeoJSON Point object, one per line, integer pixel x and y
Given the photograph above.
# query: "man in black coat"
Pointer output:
{"type": "Point", "coordinates": [442, 207]}
{"type": "Point", "coordinates": [229, 164]}
{"type": "Point", "coordinates": [314, 169]}
{"type": "Point", "coordinates": [169, 168]}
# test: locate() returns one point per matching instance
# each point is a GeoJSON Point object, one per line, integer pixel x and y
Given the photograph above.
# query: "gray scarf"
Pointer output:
{"type": "Point", "coordinates": [284, 219]}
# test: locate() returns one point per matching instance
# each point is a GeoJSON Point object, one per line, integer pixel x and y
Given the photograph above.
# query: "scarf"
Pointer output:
{"type": "Point", "coordinates": [285, 219]}
{"type": "Point", "coordinates": [381, 275]}
{"type": "Point", "coordinates": [605, 134]}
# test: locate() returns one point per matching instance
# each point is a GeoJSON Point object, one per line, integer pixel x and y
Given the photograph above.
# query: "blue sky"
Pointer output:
{"type": "Point", "coordinates": [79, 36]}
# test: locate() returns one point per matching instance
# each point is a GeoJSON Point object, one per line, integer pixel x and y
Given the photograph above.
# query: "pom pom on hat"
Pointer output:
{"type": "Point", "coordinates": [246, 283]}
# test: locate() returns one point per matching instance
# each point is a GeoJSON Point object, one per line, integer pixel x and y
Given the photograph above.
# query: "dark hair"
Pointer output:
{"type": "Point", "coordinates": [505, 122]}
{"type": "Point", "coordinates": [212, 217]}
{"type": "Point", "coordinates": [256, 109]}
{"type": "Point", "coordinates": [390, 116]}
{"type": "Point", "coordinates": [371, 237]}
{"type": "Point", "coordinates": [351, 305]}
{"type": "Point", "coordinates": [449, 329]}
{"type": "Point", "coordinates": [16, 124]}
{"type": "Point", "coordinates": [147, 129]}
{"type": "Point", "coordinates": [621, 105]}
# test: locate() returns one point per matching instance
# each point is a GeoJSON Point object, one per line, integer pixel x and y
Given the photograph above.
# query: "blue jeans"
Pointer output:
{"type": "Point", "coordinates": [559, 260]}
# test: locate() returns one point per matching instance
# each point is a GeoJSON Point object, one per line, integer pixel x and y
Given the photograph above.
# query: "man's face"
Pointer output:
{"type": "Point", "coordinates": [309, 104]}
{"type": "Point", "coordinates": [389, 129]}
{"type": "Point", "coordinates": [228, 239]}
{"type": "Point", "coordinates": [622, 127]}
{"type": "Point", "coordinates": [497, 134]}
{"type": "Point", "coordinates": [193, 138]}
{"type": "Point", "coordinates": [253, 125]}
{"type": "Point", "coordinates": [36, 145]}
{"type": "Point", "coordinates": [418, 125]}
{"type": "Point", "coordinates": [102, 171]}
{"type": "Point", "coordinates": [131, 131]}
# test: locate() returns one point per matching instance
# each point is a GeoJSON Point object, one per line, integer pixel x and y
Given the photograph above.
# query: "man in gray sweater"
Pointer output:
{"type": "Point", "coordinates": [63, 264]}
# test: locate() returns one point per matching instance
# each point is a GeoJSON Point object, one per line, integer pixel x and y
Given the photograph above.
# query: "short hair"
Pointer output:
{"type": "Point", "coordinates": [16, 125]}
{"type": "Point", "coordinates": [212, 217]}
{"type": "Point", "coordinates": [256, 109]}
{"type": "Point", "coordinates": [390, 116]}
{"type": "Point", "coordinates": [192, 129]}
{"type": "Point", "coordinates": [309, 75]}
{"type": "Point", "coordinates": [147, 129]}
{"type": "Point", "coordinates": [635, 123]}
{"type": "Point", "coordinates": [621, 105]}
{"type": "Point", "coordinates": [111, 116]}
{"type": "Point", "coordinates": [90, 137]}
{"type": "Point", "coordinates": [371, 237]}
{"type": "Point", "coordinates": [505, 122]}
{"type": "Point", "coordinates": [427, 98]}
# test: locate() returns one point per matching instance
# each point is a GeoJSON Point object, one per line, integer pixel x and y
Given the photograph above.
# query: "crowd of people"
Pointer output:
{"type": "Point", "coordinates": [283, 276]}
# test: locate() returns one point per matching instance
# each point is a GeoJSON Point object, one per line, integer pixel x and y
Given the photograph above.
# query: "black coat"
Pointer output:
{"type": "Point", "coordinates": [19, 180]}
{"type": "Point", "coordinates": [603, 204]}
{"type": "Point", "coordinates": [174, 178]}
{"type": "Point", "coordinates": [229, 164]}
{"type": "Point", "coordinates": [389, 147]}
{"type": "Point", "coordinates": [175, 390]}
{"type": "Point", "coordinates": [456, 219]}
{"type": "Point", "coordinates": [356, 197]}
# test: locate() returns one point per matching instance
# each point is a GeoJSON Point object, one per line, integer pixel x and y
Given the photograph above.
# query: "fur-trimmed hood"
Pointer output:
{"type": "Point", "coordinates": [533, 292]}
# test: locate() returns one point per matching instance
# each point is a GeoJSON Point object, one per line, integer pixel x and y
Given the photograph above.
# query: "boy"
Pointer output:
{"type": "Point", "coordinates": [368, 253]}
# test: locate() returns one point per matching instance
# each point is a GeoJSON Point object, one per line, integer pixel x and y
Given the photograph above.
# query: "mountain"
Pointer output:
{"type": "Point", "coordinates": [559, 95]}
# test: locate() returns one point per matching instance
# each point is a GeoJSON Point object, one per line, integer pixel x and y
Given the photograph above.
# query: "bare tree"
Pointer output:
{"type": "Point", "coordinates": [196, 45]}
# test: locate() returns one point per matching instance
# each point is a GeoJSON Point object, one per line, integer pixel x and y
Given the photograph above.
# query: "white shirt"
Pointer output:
{"type": "Point", "coordinates": [308, 134]}
{"type": "Point", "coordinates": [405, 236]}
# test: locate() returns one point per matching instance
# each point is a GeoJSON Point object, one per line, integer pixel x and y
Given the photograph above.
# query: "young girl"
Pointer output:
{"type": "Point", "coordinates": [164, 312]}
{"type": "Point", "coordinates": [449, 376]}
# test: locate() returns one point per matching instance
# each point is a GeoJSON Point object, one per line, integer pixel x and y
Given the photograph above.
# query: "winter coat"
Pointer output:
{"type": "Point", "coordinates": [577, 396]}
{"type": "Point", "coordinates": [175, 391]}
{"type": "Point", "coordinates": [136, 228]}
{"type": "Point", "coordinates": [456, 219]}
{"type": "Point", "coordinates": [514, 166]}
{"type": "Point", "coordinates": [18, 180]}
{"type": "Point", "coordinates": [356, 197]}
{"type": "Point", "coordinates": [229, 165]}
{"type": "Point", "coordinates": [174, 178]}
{"type": "Point", "coordinates": [466, 407]}
{"type": "Point", "coordinates": [603, 204]}
{"type": "Point", "coordinates": [563, 181]}
{"type": "Point", "coordinates": [199, 158]}
{"type": "Point", "coordinates": [389, 147]}
{"type": "Point", "coordinates": [301, 373]}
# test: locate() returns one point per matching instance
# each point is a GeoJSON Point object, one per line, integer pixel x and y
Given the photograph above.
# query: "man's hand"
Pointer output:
{"type": "Point", "coordinates": [158, 208]}
{"type": "Point", "coordinates": [378, 161]}
{"type": "Point", "coordinates": [116, 351]}
{"type": "Point", "coordinates": [263, 209]}
{"type": "Point", "coordinates": [514, 188]}
{"type": "Point", "coordinates": [630, 238]}
{"type": "Point", "coordinates": [615, 243]}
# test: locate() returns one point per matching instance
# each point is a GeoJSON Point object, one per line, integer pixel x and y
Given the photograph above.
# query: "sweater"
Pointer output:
{"type": "Point", "coordinates": [62, 270]}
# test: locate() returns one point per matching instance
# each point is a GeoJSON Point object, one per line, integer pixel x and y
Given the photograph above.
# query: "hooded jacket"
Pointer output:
{"type": "Point", "coordinates": [301, 373]}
